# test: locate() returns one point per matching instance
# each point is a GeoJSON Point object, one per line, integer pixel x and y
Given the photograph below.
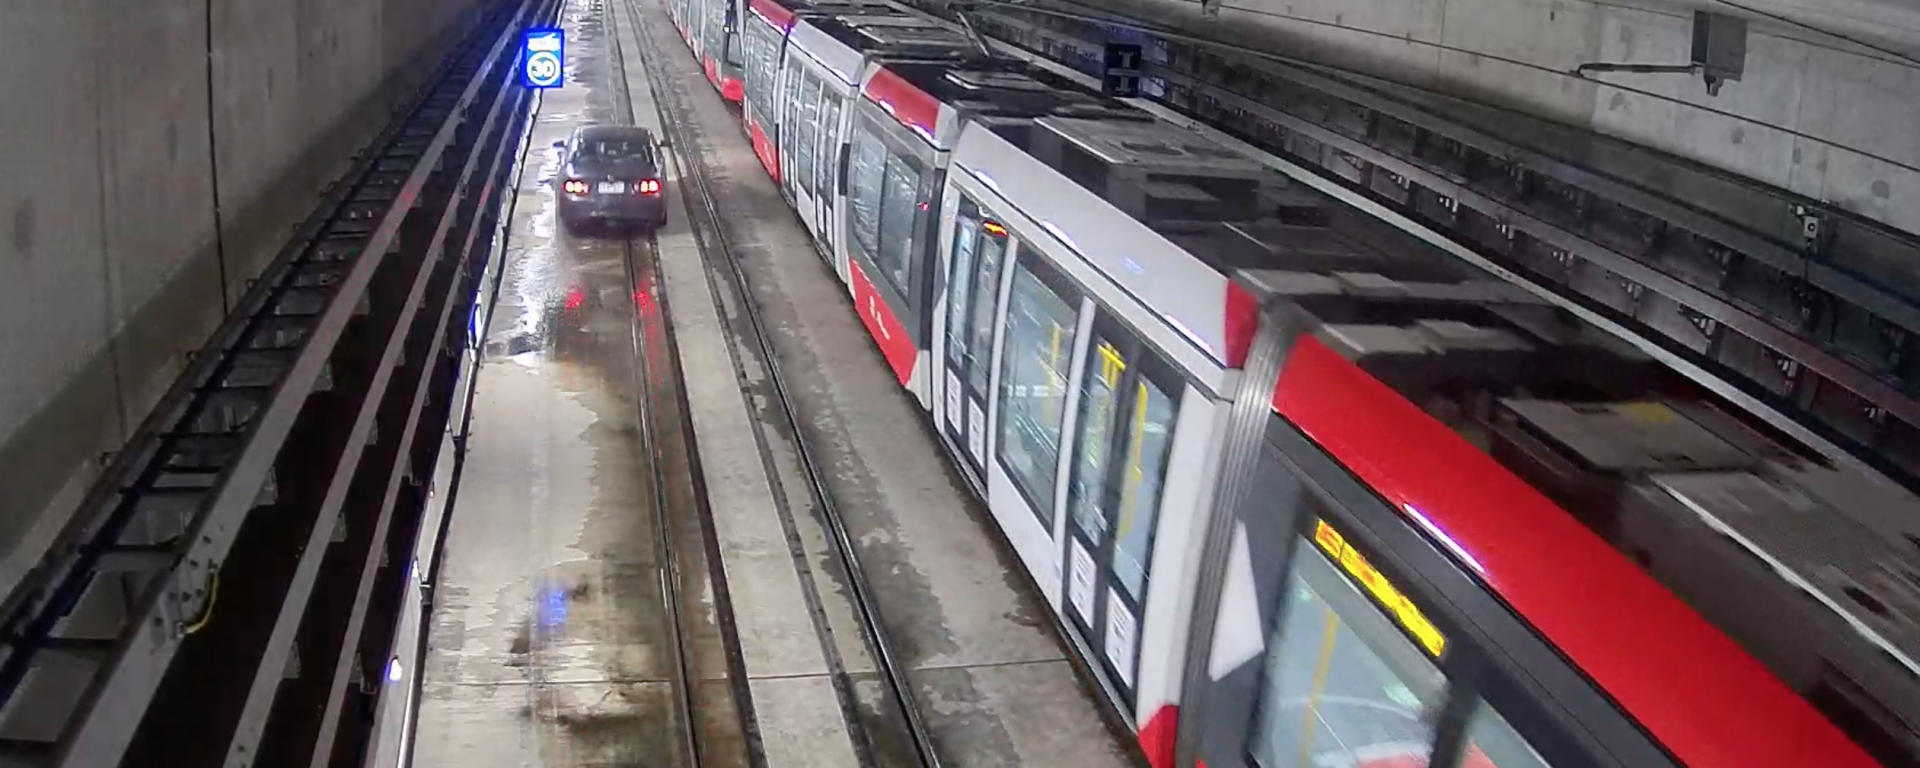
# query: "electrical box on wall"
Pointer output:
{"type": "Point", "coordinates": [1719, 54]}
{"type": "Point", "coordinates": [1719, 47]}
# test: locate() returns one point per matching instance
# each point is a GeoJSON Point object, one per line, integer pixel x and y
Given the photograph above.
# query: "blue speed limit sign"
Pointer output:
{"type": "Point", "coordinates": [543, 57]}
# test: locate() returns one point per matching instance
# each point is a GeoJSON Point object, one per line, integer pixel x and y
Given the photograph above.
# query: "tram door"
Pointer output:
{"type": "Point", "coordinates": [980, 247]}
{"type": "Point", "coordinates": [801, 140]}
{"type": "Point", "coordinates": [827, 167]}
{"type": "Point", "coordinates": [1129, 398]}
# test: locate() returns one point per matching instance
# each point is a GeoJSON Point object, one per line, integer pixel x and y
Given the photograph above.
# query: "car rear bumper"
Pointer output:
{"type": "Point", "coordinates": [580, 208]}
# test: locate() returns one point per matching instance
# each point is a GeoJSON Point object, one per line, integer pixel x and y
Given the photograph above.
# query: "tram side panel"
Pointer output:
{"type": "Point", "coordinates": [765, 38]}
{"type": "Point", "coordinates": [719, 48]}
{"type": "Point", "coordinates": [1345, 637]}
{"type": "Point", "coordinates": [681, 13]}
{"type": "Point", "coordinates": [1096, 451]}
{"type": "Point", "coordinates": [697, 13]}
{"type": "Point", "coordinates": [893, 177]}
{"type": "Point", "coordinates": [786, 84]}
{"type": "Point", "coordinates": [1176, 552]}
{"type": "Point", "coordinates": [727, 49]}
{"type": "Point", "coordinates": [812, 53]}
{"type": "Point", "coordinates": [818, 100]}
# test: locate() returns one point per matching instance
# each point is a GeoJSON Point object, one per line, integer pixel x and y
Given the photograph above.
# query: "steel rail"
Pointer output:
{"type": "Point", "coordinates": [206, 454]}
{"type": "Point", "coordinates": [659, 360]}
{"type": "Point", "coordinates": [718, 253]}
{"type": "Point", "coordinates": [670, 581]}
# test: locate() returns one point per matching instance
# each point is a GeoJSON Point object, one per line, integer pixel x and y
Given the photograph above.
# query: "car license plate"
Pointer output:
{"type": "Point", "coordinates": [612, 187]}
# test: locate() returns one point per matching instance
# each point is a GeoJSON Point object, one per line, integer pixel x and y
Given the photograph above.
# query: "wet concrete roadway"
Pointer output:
{"type": "Point", "coordinates": [546, 638]}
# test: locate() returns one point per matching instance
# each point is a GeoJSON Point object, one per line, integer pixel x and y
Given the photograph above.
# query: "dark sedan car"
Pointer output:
{"type": "Point", "coordinates": [611, 173]}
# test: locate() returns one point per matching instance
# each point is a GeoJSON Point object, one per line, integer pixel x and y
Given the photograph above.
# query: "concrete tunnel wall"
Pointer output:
{"type": "Point", "coordinates": [110, 272]}
{"type": "Point", "coordinates": [1831, 112]}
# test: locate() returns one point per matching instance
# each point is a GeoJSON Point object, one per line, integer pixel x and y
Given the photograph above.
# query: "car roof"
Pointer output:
{"type": "Point", "coordinates": [598, 132]}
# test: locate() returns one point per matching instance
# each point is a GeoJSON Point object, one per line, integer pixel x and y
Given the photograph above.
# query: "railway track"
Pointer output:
{"type": "Point", "coordinates": [707, 677]}
{"type": "Point", "coordinates": [897, 735]}
{"type": "Point", "coordinates": [700, 644]}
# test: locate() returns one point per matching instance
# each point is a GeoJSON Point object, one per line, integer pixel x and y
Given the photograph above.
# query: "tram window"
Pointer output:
{"type": "Point", "coordinates": [750, 74]}
{"type": "Point", "coordinates": [804, 128]}
{"type": "Point", "coordinates": [974, 296]}
{"type": "Point", "coordinates": [761, 68]}
{"type": "Point", "coordinates": [1343, 685]}
{"type": "Point", "coordinates": [1033, 389]}
{"type": "Point", "coordinates": [716, 31]}
{"type": "Point", "coordinates": [1492, 743]}
{"type": "Point", "coordinates": [828, 132]}
{"type": "Point", "coordinates": [1147, 419]}
{"type": "Point", "coordinates": [970, 307]}
{"type": "Point", "coordinates": [1126, 428]}
{"type": "Point", "coordinates": [897, 211]}
{"type": "Point", "coordinates": [869, 174]}
{"type": "Point", "coordinates": [966, 234]}
{"type": "Point", "coordinates": [986, 283]}
{"type": "Point", "coordinates": [1099, 396]}
{"type": "Point", "coordinates": [791, 105]}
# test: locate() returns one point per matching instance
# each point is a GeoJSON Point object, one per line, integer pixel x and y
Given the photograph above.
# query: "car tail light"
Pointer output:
{"type": "Point", "coordinates": [649, 186]}
{"type": "Point", "coordinates": [575, 187]}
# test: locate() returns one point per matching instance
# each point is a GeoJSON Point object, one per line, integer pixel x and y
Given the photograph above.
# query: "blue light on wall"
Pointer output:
{"type": "Point", "coordinates": [543, 57]}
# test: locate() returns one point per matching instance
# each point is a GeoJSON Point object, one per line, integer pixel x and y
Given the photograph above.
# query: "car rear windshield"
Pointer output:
{"type": "Point", "coordinates": [616, 149]}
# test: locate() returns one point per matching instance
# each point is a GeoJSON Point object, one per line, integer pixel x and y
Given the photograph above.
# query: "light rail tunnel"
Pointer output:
{"type": "Point", "coordinates": [1056, 383]}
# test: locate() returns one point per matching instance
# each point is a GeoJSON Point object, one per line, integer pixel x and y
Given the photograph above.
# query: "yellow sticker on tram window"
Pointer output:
{"type": "Point", "coordinates": [1111, 364]}
{"type": "Point", "coordinates": [1396, 603]}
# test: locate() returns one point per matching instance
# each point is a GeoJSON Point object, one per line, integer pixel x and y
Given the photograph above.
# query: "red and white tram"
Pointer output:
{"type": "Point", "coordinates": [1308, 492]}
{"type": "Point", "coordinates": [901, 136]}
{"type": "Point", "coordinates": [712, 30]}
{"type": "Point", "coordinates": [819, 81]}
{"type": "Point", "coordinates": [1196, 397]}
{"type": "Point", "coordinates": [865, 105]}
{"type": "Point", "coordinates": [827, 57]}
{"type": "Point", "coordinates": [765, 36]}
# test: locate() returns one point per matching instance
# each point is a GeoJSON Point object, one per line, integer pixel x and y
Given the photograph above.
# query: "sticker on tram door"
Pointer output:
{"type": "Point", "coordinates": [977, 432]}
{"type": "Point", "coordinates": [1080, 583]}
{"type": "Point", "coordinates": [1121, 626]}
{"type": "Point", "coordinates": [954, 413]}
